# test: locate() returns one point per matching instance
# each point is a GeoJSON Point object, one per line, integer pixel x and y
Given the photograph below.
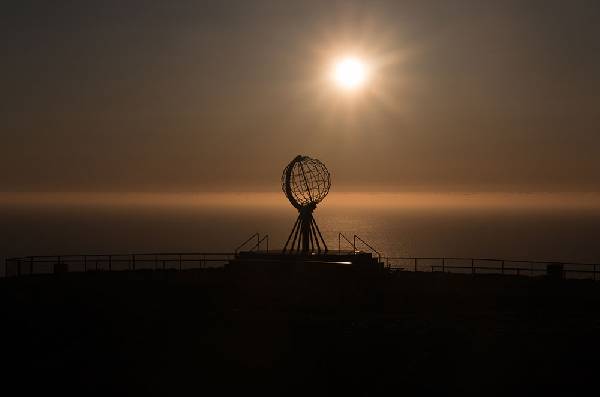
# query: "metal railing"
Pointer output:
{"type": "Point", "coordinates": [493, 266]}
{"type": "Point", "coordinates": [368, 246]}
{"type": "Point", "coordinates": [342, 236]}
{"type": "Point", "coordinates": [183, 261]}
{"type": "Point", "coordinates": [353, 244]}
{"type": "Point", "coordinates": [569, 270]}
{"type": "Point", "coordinates": [114, 262]}
{"type": "Point", "coordinates": [258, 243]}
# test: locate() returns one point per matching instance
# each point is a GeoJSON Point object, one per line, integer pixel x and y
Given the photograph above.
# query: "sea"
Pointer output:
{"type": "Point", "coordinates": [528, 232]}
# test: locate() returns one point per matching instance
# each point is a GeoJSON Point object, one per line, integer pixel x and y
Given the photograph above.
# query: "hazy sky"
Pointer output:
{"type": "Point", "coordinates": [220, 95]}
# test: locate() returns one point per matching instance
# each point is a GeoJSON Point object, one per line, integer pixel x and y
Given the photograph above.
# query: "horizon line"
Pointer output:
{"type": "Point", "coordinates": [275, 199]}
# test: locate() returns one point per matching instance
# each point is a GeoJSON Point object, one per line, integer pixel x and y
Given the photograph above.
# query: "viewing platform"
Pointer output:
{"type": "Point", "coordinates": [279, 260]}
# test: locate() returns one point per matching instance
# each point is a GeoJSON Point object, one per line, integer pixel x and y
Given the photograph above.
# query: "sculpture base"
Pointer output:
{"type": "Point", "coordinates": [306, 234]}
{"type": "Point", "coordinates": [277, 261]}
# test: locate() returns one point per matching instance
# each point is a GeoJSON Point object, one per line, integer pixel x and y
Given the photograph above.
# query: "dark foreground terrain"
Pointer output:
{"type": "Point", "coordinates": [326, 332]}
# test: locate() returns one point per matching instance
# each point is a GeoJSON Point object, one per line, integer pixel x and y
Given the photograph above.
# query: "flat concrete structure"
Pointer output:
{"type": "Point", "coordinates": [279, 261]}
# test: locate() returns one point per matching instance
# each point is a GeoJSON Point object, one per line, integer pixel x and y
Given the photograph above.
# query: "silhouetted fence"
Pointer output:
{"type": "Point", "coordinates": [494, 266]}
{"type": "Point", "coordinates": [118, 262]}
{"type": "Point", "coordinates": [183, 261]}
{"type": "Point", "coordinates": [571, 270]}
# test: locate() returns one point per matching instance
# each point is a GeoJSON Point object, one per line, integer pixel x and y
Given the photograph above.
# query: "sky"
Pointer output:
{"type": "Point", "coordinates": [210, 96]}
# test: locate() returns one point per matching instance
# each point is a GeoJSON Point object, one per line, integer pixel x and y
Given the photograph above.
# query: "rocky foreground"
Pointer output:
{"type": "Point", "coordinates": [326, 332]}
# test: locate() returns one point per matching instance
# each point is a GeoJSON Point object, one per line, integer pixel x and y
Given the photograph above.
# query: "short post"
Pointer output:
{"type": "Point", "coordinates": [530, 268]}
{"type": "Point", "coordinates": [555, 271]}
{"type": "Point", "coordinates": [60, 267]}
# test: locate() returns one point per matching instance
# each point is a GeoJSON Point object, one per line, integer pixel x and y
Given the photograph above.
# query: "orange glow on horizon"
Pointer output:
{"type": "Point", "coordinates": [276, 200]}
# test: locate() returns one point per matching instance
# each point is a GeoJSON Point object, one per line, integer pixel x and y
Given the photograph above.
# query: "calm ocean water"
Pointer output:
{"type": "Point", "coordinates": [567, 235]}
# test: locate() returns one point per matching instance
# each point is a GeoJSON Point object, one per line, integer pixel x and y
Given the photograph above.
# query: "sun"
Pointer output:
{"type": "Point", "coordinates": [349, 73]}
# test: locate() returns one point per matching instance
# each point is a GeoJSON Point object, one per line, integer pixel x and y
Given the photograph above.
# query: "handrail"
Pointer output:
{"type": "Point", "coordinates": [367, 244]}
{"type": "Point", "coordinates": [117, 255]}
{"type": "Point", "coordinates": [247, 241]}
{"type": "Point", "coordinates": [537, 262]}
{"type": "Point", "coordinates": [259, 242]}
{"type": "Point", "coordinates": [502, 265]}
{"type": "Point", "coordinates": [113, 262]}
{"type": "Point", "coordinates": [340, 236]}
{"type": "Point", "coordinates": [133, 261]}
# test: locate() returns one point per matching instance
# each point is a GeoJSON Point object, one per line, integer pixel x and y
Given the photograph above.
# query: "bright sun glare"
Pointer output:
{"type": "Point", "coordinates": [349, 73]}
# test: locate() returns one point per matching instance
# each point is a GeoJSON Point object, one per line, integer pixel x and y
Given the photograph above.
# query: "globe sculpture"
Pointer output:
{"type": "Point", "coordinates": [305, 182]}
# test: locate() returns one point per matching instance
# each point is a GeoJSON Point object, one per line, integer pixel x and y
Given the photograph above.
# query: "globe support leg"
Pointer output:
{"type": "Point", "coordinates": [292, 234]}
{"type": "Point", "coordinates": [307, 235]}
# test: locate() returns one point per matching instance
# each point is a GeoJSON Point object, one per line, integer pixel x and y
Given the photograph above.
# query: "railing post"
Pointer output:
{"type": "Point", "coordinates": [443, 265]}
{"type": "Point", "coordinates": [415, 264]}
{"type": "Point", "coordinates": [85, 263]}
{"type": "Point", "coordinates": [502, 266]}
{"type": "Point", "coordinates": [530, 269]}
{"type": "Point", "coordinates": [354, 245]}
{"type": "Point", "coordinates": [472, 266]}
{"type": "Point", "coordinates": [18, 267]}
{"type": "Point", "coordinates": [30, 265]}
{"type": "Point", "coordinates": [133, 261]}
{"type": "Point", "coordinates": [164, 266]}
{"type": "Point", "coordinates": [179, 262]}
{"type": "Point", "coordinates": [339, 243]}
{"type": "Point", "coordinates": [110, 263]}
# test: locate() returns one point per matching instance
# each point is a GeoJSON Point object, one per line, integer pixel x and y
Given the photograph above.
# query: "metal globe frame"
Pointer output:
{"type": "Point", "coordinates": [305, 182]}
